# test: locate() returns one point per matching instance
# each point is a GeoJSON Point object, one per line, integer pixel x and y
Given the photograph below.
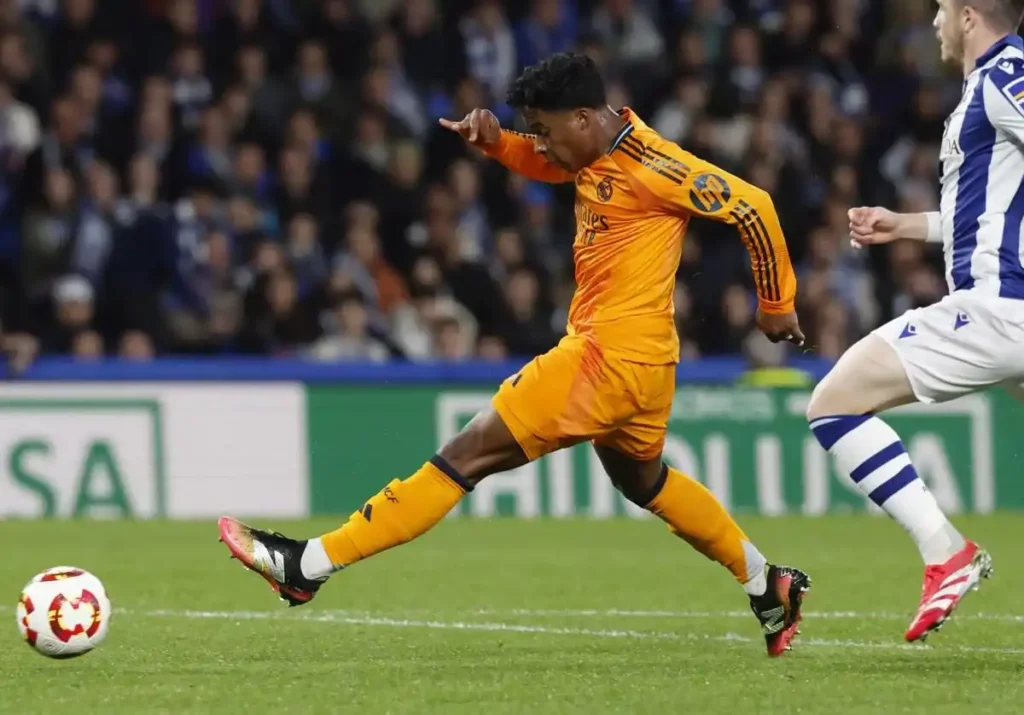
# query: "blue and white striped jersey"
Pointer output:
{"type": "Point", "coordinates": [982, 206]}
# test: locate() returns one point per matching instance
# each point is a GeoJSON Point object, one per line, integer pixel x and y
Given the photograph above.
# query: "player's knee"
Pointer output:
{"type": "Point", "coordinates": [483, 447]}
{"type": "Point", "coordinates": [826, 400]}
{"type": "Point", "coordinates": [639, 481]}
{"type": "Point", "coordinates": [643, 489]}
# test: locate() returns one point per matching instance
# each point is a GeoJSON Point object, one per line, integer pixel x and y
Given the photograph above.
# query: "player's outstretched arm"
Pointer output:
{"type": "Point", "coordinates": [871, 226]}
{"type": "Point", "coordinates": [516, 151]}
{"type": "Point", "coordinates": [681, 182]}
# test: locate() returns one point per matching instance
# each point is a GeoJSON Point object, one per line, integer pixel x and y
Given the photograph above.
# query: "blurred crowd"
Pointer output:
{"type": "Point", "coordinates": [268, 176]}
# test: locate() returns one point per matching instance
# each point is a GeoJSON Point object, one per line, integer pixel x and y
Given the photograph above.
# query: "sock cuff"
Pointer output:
{"type": "Point", "coordinates": [830, 430]}
{"type": "Point", "coordinates": [648, 499]}
{"type": "Point", "coordinates": [439, 462]}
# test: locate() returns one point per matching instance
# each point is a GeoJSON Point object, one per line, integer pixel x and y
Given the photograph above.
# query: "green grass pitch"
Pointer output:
{"type": "Point", "coordinates": [516, 617]}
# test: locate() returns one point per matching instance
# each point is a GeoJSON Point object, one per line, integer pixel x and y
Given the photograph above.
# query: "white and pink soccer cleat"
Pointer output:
{"type": "Point", "coordinates": [945, 585]}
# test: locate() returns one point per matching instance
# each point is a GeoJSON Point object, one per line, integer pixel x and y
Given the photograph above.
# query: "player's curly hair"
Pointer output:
{"type": "Point", "coordinates": [561, 82]}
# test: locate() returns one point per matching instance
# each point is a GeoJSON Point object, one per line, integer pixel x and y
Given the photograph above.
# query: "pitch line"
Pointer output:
{"type": "Point", "coordinates": [820, 615]}
{"type": "Point", "coordinates": [368, 619]}
{"type": "Point", "coordinates": [626, 613]}
{"type": "Point", "coordinates": [381, 621]}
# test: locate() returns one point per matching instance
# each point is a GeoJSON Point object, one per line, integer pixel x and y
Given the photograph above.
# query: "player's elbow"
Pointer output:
{"type": "Point", "coordinates": [760, 209]}
{"type": "Point", "coordinates": [761, 200]}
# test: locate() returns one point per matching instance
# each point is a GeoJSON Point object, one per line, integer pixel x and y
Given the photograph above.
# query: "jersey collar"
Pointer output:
{"type": "Point", "coordinates": [1013, 40]}
{"type": "Point", "coordinates": [631, 119]}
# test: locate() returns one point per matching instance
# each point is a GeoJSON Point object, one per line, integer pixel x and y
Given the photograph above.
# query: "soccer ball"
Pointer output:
{"type": "Point", "coordinates": [64, 612]}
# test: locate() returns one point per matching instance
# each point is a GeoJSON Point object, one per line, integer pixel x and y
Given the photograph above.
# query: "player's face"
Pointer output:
{"type": "Point", "coordinates": [562, 137]}
{"type": "Point", "coordinates": [950, 30]}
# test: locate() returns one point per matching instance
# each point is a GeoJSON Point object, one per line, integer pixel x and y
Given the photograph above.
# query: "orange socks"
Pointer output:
{"type": "Point", "coordinates": [406, 509]}
{"type": "Point", "coordinates": [695, 515]}
{"type": "Point", "coordinates": [399, 513]}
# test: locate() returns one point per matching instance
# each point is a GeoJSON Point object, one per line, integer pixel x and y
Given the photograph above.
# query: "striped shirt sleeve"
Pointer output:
{"type": "Point", "coordinates": [681, 182]}
{"type": "Point", "coordinates": [1003, 94]}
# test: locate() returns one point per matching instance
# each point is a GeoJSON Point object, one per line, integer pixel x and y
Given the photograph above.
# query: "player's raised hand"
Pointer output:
{"type": "Point", "coordinates": [874, 225]}
{"type": "Point", "coordinates": [479, 127]}
{"type": "Point", "coordinates": [780, 326]}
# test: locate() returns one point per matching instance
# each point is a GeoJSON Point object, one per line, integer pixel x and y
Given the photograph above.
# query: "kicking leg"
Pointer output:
{"type": "Point", "coordinates": [696, 516]}
{"type": "Point", "coordinates": [402, 511]}
{"type": "Point", "coordinates": [552, 403]}
{"type": "Point", "coordinates": [870, 378]}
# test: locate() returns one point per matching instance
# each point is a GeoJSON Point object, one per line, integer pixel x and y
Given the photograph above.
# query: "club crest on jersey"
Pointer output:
{"type": "Point", "coordinates": [1014, 91]}
{"type": "Point", "coordinates": [605, 190]}
{"type": "Point", "coordinates": [710, 193]}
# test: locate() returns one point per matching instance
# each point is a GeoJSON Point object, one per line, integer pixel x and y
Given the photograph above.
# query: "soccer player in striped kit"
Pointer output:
{"type": "Point", "coordinates": [969, 341]}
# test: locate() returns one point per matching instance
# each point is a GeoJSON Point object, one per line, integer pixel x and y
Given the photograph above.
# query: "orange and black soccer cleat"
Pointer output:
{"type": "Point", "coordinates": [778, 609]}
{"type": "Point", "coordinates": [273, 556]}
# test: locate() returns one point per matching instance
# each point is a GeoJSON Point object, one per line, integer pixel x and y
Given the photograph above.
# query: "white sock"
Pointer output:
{"type": "Point", "coordinates": [757, 585]}
{"type": "Point", "coordinates": [315, 562]}
{"type": "Point", "coordinates": [871, 453]}
{"type": "Point", "coordinates": [757, 571]}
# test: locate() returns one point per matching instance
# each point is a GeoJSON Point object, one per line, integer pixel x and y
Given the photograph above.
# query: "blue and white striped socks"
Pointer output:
{"type": "Point", "coordinates": [871, 453]}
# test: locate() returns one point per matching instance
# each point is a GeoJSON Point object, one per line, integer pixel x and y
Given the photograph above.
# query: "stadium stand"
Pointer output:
{"type": "Point", "coordinates": [197, 177]}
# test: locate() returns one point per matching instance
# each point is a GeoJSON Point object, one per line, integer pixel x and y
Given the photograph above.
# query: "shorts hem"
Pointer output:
{"type": "Point", "coordinates": [915, 383]}
{"type": "Point", "coordinates": [526, 440]}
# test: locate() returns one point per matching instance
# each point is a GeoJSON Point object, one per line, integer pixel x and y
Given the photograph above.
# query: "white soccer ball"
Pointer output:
{"type": "Point", "coordinates": [64, 612]}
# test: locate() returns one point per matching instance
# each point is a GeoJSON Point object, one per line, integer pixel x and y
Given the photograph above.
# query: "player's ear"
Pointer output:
{"type": "Point", "coordinates": [968, 17]}
{"type": "Point", "coordinates": [582, 118]}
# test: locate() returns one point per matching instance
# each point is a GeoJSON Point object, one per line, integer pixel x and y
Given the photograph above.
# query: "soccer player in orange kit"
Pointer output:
{"type": "Point", "coordinates": [611, 380]}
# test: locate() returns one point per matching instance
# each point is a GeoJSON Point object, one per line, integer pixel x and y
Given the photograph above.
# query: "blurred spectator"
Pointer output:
{"type": "Point", "coordinates": [281, 323]}
{"type": "Point", "coordinates": [424, 47]}
{"type": "Point", "coordinates": [489, 47]}
{"type": "Point", "coordinates": [87, 346]}
{"type": "Point", "coordinates": [349, 336]}
{"type": "Point", "coordinates": [527, 330]}
{"type": "Point", "coordinates": [452, 341]}
{"type": "Point", "coordinates": [414, 323]}
{"type": "Point", "coordinates": [137, 347]}
{"type": "Point", "coordinates": [339, 24]}
{"type": "Point", "coordinates": [74, 312]}
{"type": "Point", "coordinates": [314, 85]}
{"type": "Point", "coordinates": [549, 27]}
{"type": "Point", "coordinates": [630, 31]}
{"type": "Point", "coordinates": [491, 347]}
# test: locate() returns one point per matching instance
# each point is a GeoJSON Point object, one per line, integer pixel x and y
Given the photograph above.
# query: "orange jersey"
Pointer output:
{"type": "Point", "coordinates": [632, 209]}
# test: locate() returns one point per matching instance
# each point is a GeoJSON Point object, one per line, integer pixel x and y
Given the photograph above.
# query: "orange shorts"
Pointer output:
{"type": "Point", "coordinates": [576, 393]}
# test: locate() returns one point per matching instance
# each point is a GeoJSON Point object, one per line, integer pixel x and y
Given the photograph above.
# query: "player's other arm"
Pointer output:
{"type": "Point", "coordinates": [516, 151]}
{"type": "Point", "coordinates": [875, 225]}
{"type": "Point", "coordinates": [1003, 94]}
{"type": "Point", "coordinates": [684, 183]}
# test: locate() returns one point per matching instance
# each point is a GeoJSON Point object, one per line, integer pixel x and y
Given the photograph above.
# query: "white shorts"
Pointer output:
{"type": "Point", "coordinates": [964, 343]}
